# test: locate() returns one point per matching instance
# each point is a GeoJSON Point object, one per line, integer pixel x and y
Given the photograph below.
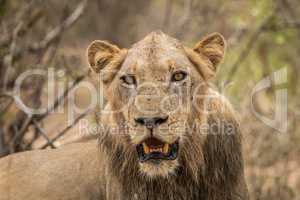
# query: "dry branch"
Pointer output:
{"type": "Point", "coordinates": [249, 46]}
{"type": "Point", "coordinates": [20, 133]}
{"type": "Point", "coordinates": [43, 134]}
{"type": "Point", "coordinates": [57, 31]}
{"type": "Point", "coordinates": [61, 98]}
{"type": "Point", "coordinates": [3, 148]}
{"type": "Point", "coordinates": [63, 132]}
{"type": "Point", "coordinates": [44, 51]}
{"type": "Point", "coordinates": [168, 14]}
{"type": "Point", "coordinates": [188, 5]}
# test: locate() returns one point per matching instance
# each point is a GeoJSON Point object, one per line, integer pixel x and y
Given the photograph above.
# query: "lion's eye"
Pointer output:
{"type": "Point", "coordinates": [178, 76]}
{"type": "Point", "coordinates": [128, 79]}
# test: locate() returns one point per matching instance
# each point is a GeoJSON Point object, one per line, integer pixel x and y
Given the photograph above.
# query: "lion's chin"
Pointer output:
{"type": "Point", "coordinates": [158, 168]}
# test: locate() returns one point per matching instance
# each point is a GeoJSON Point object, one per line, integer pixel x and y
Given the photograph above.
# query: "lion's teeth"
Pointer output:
{"type": "Point", "coordinates": [146, 148]}
{"type": "Point", "coordinates": [156, 150]}
{"type": "Point", "coordinates": [166, 148]}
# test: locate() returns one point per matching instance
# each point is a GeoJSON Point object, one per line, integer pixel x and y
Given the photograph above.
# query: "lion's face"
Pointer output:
{"type": "Point", "coordinates": [156, 90]}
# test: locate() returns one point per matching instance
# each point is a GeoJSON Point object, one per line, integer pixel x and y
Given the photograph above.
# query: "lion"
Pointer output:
{"type": "Point", "coordinates": [168, 134]}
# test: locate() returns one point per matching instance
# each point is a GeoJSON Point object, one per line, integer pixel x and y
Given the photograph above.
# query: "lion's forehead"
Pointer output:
{"type": "Point", "coordinates": [157, 40]}
{"type": "Point", "coordinates": [157, 54]}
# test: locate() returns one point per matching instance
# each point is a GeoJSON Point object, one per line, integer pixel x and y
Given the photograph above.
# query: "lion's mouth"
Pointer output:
{"type": "Point", "coordinates": [153, 148]}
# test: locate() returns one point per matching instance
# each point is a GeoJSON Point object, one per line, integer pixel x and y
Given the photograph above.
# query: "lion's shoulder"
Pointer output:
{"type": "Point", "coordinates": [70, 166]}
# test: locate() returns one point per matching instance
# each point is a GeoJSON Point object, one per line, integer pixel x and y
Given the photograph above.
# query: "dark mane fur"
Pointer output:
{"type": "Point", "coordinates": [215, 174]}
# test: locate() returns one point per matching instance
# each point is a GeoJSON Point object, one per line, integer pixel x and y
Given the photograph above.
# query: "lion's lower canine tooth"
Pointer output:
{"type": "Point", "coordinates": [166, 148]}
{"type": "Point", "coordinates": [146, 148]}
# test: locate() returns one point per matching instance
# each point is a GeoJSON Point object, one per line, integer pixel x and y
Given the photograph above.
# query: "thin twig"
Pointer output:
{"type": "Point", "coordinates": [21, 132]}
{"type": "Point", "coordinates": [59, 135]}
{"type": "Point", "coordinates": [58, 30]}
{"type": "Point", "coordinates": [168, 14]}
{"type": "Point", "coordinates": [21, 15]}
{"type": "Point", "coordinates": [9, 59]}
{"type": "Point", "coordinates": [43, 134]}
{"type": "Point", "coordinates": [61, 98]}
{"type": "Point", "coordinates": [188, 5]}
{"type": "Point", "coordinates": [249, 46]}
{"type": "Point", "coordinates": [6, 107]}
{"type": "Point", "coordinates": [51, 38]}
{"type": "Point", "coordinates": [3, 147]}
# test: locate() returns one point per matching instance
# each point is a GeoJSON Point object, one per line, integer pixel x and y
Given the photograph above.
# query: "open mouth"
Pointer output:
{"type": "Point", "coordinates": [153, 148]}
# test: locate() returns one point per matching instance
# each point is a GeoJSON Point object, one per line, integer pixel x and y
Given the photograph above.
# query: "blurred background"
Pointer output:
{"type": "Point", "coordinates": [263, 37]}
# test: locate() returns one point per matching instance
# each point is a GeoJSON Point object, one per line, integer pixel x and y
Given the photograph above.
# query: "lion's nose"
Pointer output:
{"type": "Point", "coordinates": [151, 122]}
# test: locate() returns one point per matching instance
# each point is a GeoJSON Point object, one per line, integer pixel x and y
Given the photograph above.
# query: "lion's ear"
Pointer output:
{"type": "Point", "coordinates": [213, 47]}
{"type": "Point", "coordinates": [207, 54]}
{"type": "Point", "coordinates": [100, 54]}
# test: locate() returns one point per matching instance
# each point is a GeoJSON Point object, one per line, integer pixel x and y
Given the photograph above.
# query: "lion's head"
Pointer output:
{"type": "Point", "coordinates": [155, 93]}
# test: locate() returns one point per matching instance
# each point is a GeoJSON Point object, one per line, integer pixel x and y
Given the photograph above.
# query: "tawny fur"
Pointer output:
{"type": "Point", "coordinates": [209, 165]}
